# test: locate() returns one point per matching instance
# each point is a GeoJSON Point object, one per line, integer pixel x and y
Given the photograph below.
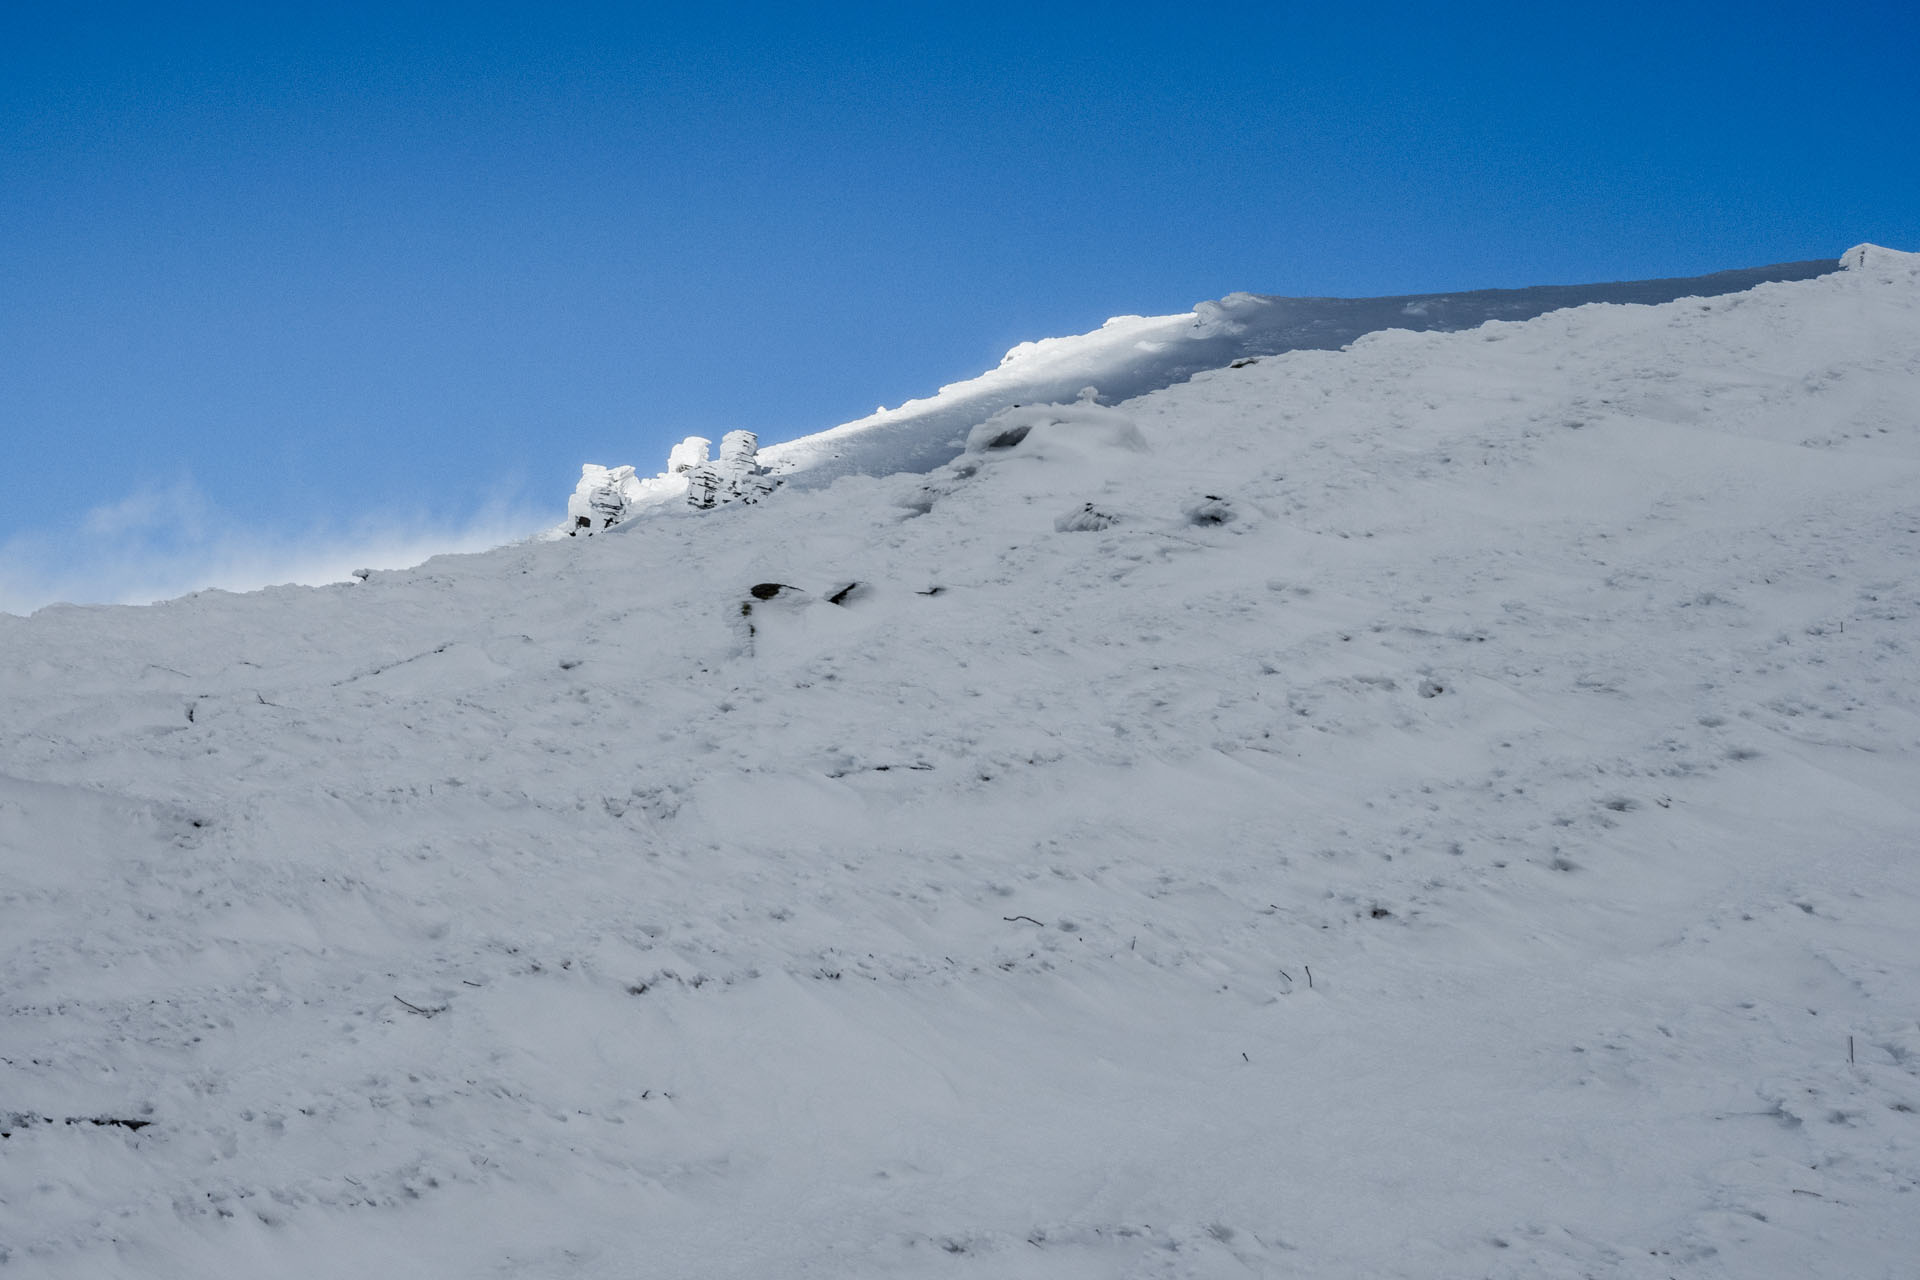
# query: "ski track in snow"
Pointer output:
{"type": "Point", "coordinates": [1442, 808]}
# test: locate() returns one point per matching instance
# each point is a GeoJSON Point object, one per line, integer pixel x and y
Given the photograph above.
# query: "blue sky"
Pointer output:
{"type": "Point", "coordinates": [280, 290]}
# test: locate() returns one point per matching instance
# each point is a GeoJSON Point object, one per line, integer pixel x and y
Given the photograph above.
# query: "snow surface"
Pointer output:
{"type": "Point", "coordinates": [1452, 813]}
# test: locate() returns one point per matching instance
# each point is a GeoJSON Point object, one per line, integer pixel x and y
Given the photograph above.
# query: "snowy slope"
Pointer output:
{"type": "Point", "coordinates": [1549, 691]}
{"type": "Point", "coordinates": [1130, 356]}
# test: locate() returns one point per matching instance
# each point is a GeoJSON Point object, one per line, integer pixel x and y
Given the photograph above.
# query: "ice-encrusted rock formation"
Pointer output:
{"type": "Point", "coordinates": [607, 495]}
{"type": "Point", "coordinates": [736, 476]}
{"type": "Point", "coordinates": [602, 497]}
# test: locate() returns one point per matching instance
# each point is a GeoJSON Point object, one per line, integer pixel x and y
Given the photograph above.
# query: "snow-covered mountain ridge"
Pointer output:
{"type": "Point", "coordinates": [1126, 357]}
{"type": "Point", "coordinates": [1444, 807]}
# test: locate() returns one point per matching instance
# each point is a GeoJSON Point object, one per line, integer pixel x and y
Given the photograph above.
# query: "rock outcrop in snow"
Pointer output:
{"type": "Point", "coordinates": [735, 476]}
{"type": "Point", "coordinates": [607, 496]}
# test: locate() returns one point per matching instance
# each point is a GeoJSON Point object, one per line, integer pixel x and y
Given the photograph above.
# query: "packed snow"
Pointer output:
{"type": "Point", "coordinates": [1443, 807]}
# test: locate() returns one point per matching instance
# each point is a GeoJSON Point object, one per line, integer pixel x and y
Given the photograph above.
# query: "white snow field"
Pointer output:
{"type": "Point", "coordinates": [1442, 808]}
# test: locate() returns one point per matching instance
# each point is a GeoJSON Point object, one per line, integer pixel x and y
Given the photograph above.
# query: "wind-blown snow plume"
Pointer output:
{"type": "Point", "coordinates": [161, 541]}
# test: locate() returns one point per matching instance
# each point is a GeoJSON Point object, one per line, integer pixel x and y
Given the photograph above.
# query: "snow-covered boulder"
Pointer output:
{"type": "Point", "coordinates": [1056, 431]}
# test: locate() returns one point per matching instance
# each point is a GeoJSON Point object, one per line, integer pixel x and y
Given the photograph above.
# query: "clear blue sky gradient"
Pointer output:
{"type": "Point", "coordinates": [419, 258]}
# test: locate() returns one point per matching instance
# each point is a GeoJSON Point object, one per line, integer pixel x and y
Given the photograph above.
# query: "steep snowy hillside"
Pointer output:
{"type": "Point", "coordinates": [1441, 808]}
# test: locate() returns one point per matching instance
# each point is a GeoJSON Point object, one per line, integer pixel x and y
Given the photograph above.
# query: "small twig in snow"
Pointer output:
{"type": "Point", "coordinates": [425, 1013]}
{"type": "Point", "coordinates": [1028, 919]}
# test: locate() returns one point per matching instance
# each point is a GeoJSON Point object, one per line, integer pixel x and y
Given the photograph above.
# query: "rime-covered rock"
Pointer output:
{"type": "Point", "coordinates": [602, 498]}
{"type": "Point", "coordinates": [606, 496]}
{"type": "Point", "coordinates": [736, 476]}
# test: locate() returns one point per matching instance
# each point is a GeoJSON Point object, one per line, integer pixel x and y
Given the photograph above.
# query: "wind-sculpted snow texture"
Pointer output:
{"type": "Point", "coordinates": [1133, 355]}
{"type": "Point", "coordinates": [1444, 808]}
